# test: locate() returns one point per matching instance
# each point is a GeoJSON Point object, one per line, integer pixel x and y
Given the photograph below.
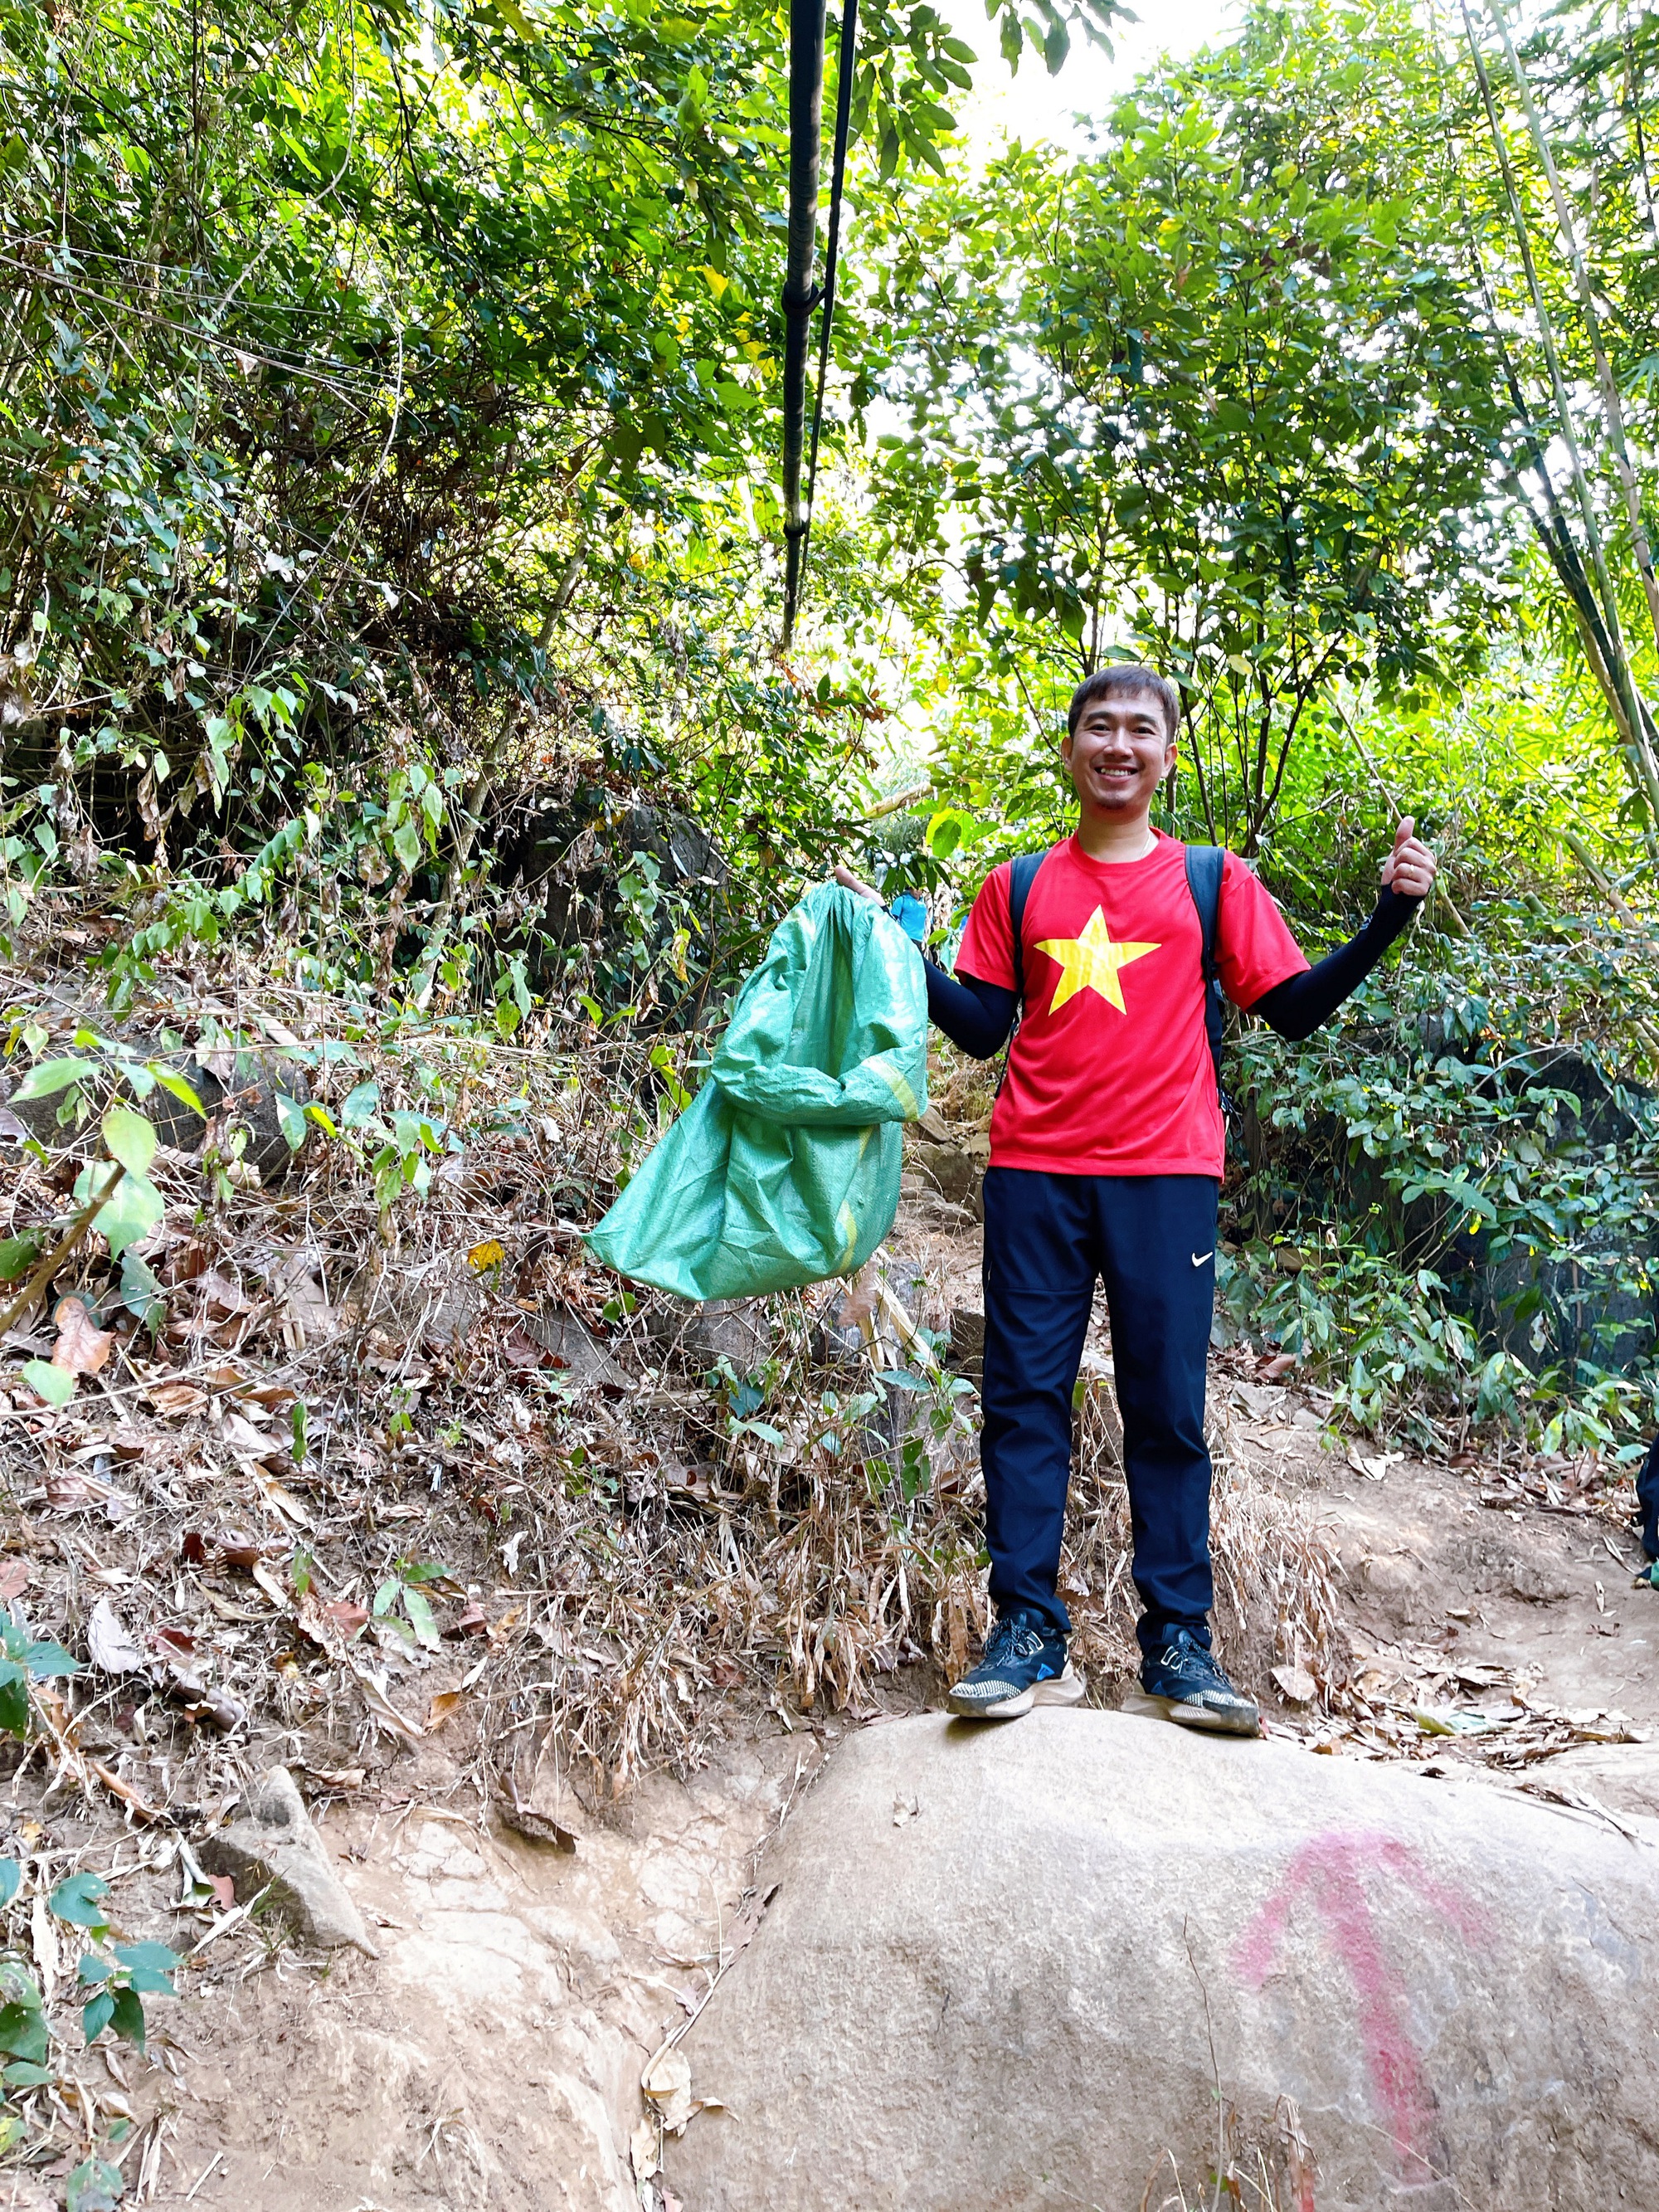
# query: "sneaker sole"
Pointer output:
{"type": "Point", "coordinates": [1148, 1707]}
{"type": "Point", "coordinates": [1068, 1689]}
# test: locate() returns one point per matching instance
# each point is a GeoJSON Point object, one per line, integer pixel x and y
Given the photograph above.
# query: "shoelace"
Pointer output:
{"type": "Point", "coordinates": [1012, 1640]}
{"type": "Point", "coordinates": [1197, 1664]}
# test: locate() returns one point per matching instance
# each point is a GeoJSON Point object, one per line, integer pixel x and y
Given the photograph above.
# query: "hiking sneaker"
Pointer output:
{"type": "Point", "coordinates": [1024, 1665]}
{"type": "Point", "coordinates": [1184, 1683]}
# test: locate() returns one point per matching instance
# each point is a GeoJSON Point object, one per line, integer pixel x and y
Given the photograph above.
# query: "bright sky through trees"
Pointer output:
{"type": "Point", "coordinates": [1033, 104]}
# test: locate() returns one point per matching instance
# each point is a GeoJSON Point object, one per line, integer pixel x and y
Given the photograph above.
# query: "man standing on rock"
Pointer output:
{"type": "Point", "coordinates": [1106, 1161]}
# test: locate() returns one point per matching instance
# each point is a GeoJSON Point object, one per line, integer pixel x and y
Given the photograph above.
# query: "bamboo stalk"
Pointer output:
{"type": "Point", "coordinates": [1612, 408]}
{"type": "Point", "coordinates": [1643, 768]}
{"type": "Point", "coordinates": [1459, 926]}
{"type": "Point", "coordinates": [42, 1273]}
{"type": "Point", "coordinates": [898, 802]}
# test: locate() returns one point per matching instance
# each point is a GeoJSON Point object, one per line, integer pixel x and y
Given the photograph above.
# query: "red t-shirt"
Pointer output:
{"type": "Point", "coordinates": [1110, 1072]}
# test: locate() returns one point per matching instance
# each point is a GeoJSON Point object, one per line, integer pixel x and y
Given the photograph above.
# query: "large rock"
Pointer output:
{"type": "Point", "coordinates": [271, 1845]}
{"type": "Point", "coordinates": [999, 1962]}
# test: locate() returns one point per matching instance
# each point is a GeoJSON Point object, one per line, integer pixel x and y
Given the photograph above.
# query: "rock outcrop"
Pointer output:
{"type": "Point", "coordinates": [271, 1845]}
{"type": "Point", "coordinates": [1013, 1967]}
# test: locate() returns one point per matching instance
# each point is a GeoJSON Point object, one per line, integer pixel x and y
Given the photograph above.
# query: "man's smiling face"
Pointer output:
{"type": "Point", "coordinates": [1121, 753]}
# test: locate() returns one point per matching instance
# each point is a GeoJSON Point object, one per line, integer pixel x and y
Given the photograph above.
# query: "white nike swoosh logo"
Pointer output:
{"type": "Point", "coordinates": [1199, 1258]}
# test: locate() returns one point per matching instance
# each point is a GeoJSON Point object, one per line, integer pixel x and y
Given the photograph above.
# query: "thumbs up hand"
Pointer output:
{"type": "Point", "coordinates": [1409, 868]}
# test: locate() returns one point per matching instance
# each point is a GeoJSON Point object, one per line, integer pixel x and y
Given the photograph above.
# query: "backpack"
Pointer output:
{"type": "Point", "coordinates": [1647, 1501]}
{"type": "Point", "coordinates": [1204, 866]}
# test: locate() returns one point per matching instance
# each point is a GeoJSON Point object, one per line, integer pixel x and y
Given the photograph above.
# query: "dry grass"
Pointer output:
{"type": "Point", "coordinates": [609, 1558]}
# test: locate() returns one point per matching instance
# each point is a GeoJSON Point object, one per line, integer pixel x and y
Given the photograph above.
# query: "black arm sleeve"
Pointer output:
{"type": "Point", "coordinates": [1297, 1006]}
{"type": "Point", "coordinates": [975, 1016]}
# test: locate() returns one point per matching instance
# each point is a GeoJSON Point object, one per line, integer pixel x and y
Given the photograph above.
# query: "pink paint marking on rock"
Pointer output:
{"type": "Point", "coordinates": [1331, 1868]}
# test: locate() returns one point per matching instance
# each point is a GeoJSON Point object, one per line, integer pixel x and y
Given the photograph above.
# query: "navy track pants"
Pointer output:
{"type": "Point", "coordinates": [1151, 1239]}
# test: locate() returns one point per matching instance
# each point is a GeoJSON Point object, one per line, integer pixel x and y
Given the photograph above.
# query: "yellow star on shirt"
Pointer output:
{"type": "Point", "coordinates": [1090, 962]}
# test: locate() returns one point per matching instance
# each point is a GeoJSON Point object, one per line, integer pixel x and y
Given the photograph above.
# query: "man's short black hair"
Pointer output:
{"type": "Point", "coordinates": [1118, 681]}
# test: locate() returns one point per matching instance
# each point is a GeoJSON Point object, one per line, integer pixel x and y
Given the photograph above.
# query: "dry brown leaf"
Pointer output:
{"type": "Point", "coordinates": [227, 1611]}
{"type": "Point", "coordinates": [667, 2083]}
{"type": "Point", "coordinates": [176, 1400]}
{"type": "Point", "coordinates": [339, 1777]}
{"type": "Point", "coordinates": [109, 1641]}
{"type": "Point", "coordinates": [239, 1435]}
{"type": "Point", "coordinates": [216, 1290]}
{"type": "Point", "coordinates": [282, 1501]}
{"type": "Point", "coordinates": [237, 1548]}
{"type": "Point", "coordinates": [281, 1599]}
{"type": "Point", "coordinates": [535, 1827]}
{"type": "Point", "coordinates": [81, 1347]}
{"type": "Point", "coordinates": [642, 2150]}
{"type": "Point", "coordinates": [1297, 1684]}
{"type": "Point", "coordinates": [14, 1579]}
{"type": "Point", "coordinates": [124, 1791]}
{"type": "Point", "coordinates": [443, 1706]}
{"type": "Point", "coordinates": [68, 1491]}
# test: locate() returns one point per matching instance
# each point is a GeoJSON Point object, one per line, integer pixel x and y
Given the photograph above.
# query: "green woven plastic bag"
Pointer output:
{"type": "Point", "coordinates": [784, 1169]}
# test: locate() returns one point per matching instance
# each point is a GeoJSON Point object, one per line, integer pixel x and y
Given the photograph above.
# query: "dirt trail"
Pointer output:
{"type": "Point", "coordinates": [492, 2055]}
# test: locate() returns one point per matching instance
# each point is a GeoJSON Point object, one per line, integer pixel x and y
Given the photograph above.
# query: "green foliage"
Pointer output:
{"type": "Point", "coordinates": [119, 1983]}
{"type": "Point", "coordinates": [1447, 1207]}
{"type": "Point", "coordinates": [1208, 396]}
{"type": "Point", "coordinates": [116, 1976]}
{"type": "Point", "coordinates": [25, 1659]}
{"type": "Point", "coordinates": [404, 1590]}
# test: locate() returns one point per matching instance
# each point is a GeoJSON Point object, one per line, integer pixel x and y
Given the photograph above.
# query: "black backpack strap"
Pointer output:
{"type": "Point", "coordinates": [1022, 874]}
{"type": "Point", "coordinates": [1204, 866]}
{"type": "Point", "coordinates": [1647, 1500]}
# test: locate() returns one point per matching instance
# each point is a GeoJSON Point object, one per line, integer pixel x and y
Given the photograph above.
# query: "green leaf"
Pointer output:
{"type": "Point", "coordinates": [49, 1076]}
{"type": "Point", "coordinates": [45, 1659]}
{"type": "Point", "coordinates": [17, 1255]}
{"type": "Point", "coordinates": [134, 1210]}
{"type": "Point", "coordinates": [96, 2014]}
{"type": "Point", "coordinates": [80, 1901]}
{"type": "Point", "coordinates": [150, 1966]}
{"type": "Point", "coordinates": [92, 1968]}
{"type": "Point", "coordinates": [26, 2074]}
{"type": "Point", "coordinates": [406, 844]}
{"type": "Point", "coordinates": [55, 1384]}
{"type": "Point", "coordinates": [95, 2186]}
{"type": "Point", "coordinates": [13, 1698]}
{"type": "Point", "coordinates": [11, 1881]}
{"type": "Point", "coordinates": [129, 1139]}
{"type": "Point", "coordinates": [361, 1106]}
{"type": "Point", "coordinates": [291, 1120]}
{"type": "Point", "coordinates": [128, 2020]}
{"type": "Point", "coordinates": [421, 1620]}
{"type": "Point", "coordinates": [23, 2032]}
{"type": "Point", "coordinates": [141, 1291]}
{"type": "Point", "coordinates": [184, 1092]}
